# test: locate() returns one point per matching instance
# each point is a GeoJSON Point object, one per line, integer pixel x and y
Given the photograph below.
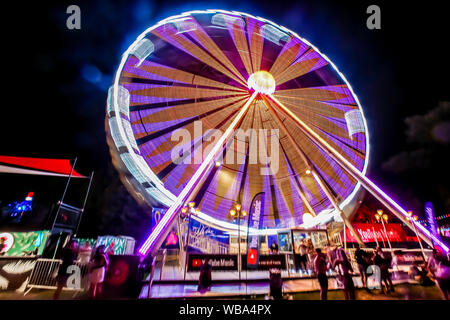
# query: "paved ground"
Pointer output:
{"type": "Point", "coordinates": [405, 291]}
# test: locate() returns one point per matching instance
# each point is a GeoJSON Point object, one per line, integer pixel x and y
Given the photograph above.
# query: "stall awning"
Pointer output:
{"type": "Point", "coordinates": [37, 166]}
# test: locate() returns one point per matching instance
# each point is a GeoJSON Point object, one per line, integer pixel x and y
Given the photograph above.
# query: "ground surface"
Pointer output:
{"type": "Point", "coordinates": [402, 292]}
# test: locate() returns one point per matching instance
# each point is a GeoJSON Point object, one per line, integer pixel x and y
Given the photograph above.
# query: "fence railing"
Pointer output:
{"type": "Point", "coordinates": [44, 275]}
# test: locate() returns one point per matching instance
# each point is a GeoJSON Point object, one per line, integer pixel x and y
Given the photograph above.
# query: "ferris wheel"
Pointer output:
{"type": "Point", "coordinates": [213, 107]}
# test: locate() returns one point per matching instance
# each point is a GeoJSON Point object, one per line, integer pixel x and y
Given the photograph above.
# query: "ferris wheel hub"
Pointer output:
{"type": "Point", "coordinates": [262, 82]}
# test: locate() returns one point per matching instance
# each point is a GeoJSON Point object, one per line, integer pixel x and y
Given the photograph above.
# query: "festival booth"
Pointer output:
{"type": "Point", "coordinates": [18, 257]}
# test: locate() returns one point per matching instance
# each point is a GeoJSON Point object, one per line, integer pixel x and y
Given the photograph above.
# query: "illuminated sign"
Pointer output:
{"type": "Point", "coordinates": [255, 221]}
{"type": "Point", "coordinates": [368, 232]}
{"type": "Point", "coordinates": [225, 262]}
{"type": "Point", "coordinates": [431, 218]}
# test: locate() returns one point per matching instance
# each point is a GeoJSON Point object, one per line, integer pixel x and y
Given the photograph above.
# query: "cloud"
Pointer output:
{"type": "Point", "coordinates": [433, 127]}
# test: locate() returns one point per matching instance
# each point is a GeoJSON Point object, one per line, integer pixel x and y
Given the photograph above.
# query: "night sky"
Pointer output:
{"type": "Point", "coordinates": [56, 80]}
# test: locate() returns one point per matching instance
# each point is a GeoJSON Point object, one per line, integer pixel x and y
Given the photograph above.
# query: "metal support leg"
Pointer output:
{"type": "Point", "coordinates": [395, 208]}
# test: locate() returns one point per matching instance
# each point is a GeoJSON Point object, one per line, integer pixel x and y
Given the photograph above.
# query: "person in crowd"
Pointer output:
{"type": "Point", "coordinates": [84, 254]}
{"type": "Point", "coordinates": [419, 273]}
{"type": "Point", "coordinates": [98, 267]}
{"type": "Point", "coordinates": [311, 254]}
{"type": "Point", "coordinates": [439, 267]}
{"type": "Point", "coordinates": [68, 257]}
{"type": "Point", "coordinates": [384, 264]}
{"type": "Point", "coordinates": [361, 258]}
{"type": "Point", "coordinates": [110, 251]}
{"type": "Point", "coordinates": [204, 280]}
{"type": "Point", "coordinates": [321, 267]}
{"type": "Point", "coordinates": [344, 272]}
{"type": "Point", "coordinates": [84, 257]}
{"type": "Point", "coordinates": [303, 256]}
{"type": "Point", "coordinates": [274, 247]}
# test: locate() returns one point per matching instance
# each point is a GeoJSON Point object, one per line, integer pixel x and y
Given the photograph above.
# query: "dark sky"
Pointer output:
{"type": "Point", "coordinates": [56, 80]}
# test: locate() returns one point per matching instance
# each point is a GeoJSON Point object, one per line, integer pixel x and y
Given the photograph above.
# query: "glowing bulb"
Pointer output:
{"type": "Point", "coordinates": [244, 213]}
{"type": "Point", "coordinates": [217, 164]}
{"type": "Point", "coordinates": [415, 218]}
{"type": "Point", "coordinates": [307, 218]}
{"type": "Point", "coordinates": [380, 212]}
{"type": "Point", "coordinates": [232, 212]}
{"type": "Point", "coordinates": [184, 210]}
{"type": "Point", "coordinates": [238, 207]}
{"type": "Point", "coordinates": [191, 204]}
{"type": "Point", "coordinates": [308, 171]}
{"type": "Point", "coordinates": [385, 217]}
{"type": "Point", "coordinates": [262, 82]}
{"type": "Point", "coordinates": [409, 213]}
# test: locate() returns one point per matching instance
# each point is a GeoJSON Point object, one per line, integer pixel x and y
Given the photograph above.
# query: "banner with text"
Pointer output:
{"type": "Point", "coordinates": [255, 220]}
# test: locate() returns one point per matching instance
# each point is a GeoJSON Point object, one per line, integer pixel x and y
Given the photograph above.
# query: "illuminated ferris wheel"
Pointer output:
{"type": "Point", "coordinates": [192, 76]}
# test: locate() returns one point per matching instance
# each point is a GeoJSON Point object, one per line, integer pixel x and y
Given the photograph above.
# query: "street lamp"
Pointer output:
{"type": "Point", "coordinates": [237, 212]}
{"type": "Point", "coordinates": [383, 218]}
{"type": "Point", "coordinates": [415, 218]}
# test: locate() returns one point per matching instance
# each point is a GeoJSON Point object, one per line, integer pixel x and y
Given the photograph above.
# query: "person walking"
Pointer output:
{"type": "Point", "coordinates": [204, 281]}
{"type": "Point", "coordinates": [321, 267]}
{"type": "Point", "coordinates": [68, 257]}
{"type": "Point", "coordinates": [98, 267]}
{"type": "Point", "coordinates": [384, 264]}
{"type": "Point", "coordinates": [361, 258]}
{"type": "Point", "coordinates": [345, 269]}
{"type": "Point", "coordinates": [439, 267]}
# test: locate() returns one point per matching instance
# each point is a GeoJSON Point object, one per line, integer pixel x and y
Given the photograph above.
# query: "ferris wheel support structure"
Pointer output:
{"type": "Point", "coordinates": [311, 170]}
{"type": "Point", "coordinates": [156, 238]}
{"type": "Point", "coordinates": [394, 207]}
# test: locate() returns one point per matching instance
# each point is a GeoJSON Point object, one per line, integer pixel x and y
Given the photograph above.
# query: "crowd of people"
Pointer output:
{"type": "Point", "coordinates": [94, 263]}
{"type": "Point", "coordinates": [436, 268]}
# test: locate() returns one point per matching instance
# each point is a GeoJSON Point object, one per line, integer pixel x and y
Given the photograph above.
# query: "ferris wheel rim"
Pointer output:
{"type": "Point", "coordinates": [169, 196]}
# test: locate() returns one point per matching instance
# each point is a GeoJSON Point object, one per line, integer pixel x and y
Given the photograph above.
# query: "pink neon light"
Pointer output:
{"type": "Point", "coordinates": [206, 164]}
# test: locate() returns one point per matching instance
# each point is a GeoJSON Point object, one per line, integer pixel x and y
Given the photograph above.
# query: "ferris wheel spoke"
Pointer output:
{"type": "Point", "coordinates": [181, 42]}
{"type": "Point", "coordinates": [291, 51]}
{"type": "Point", "coordinates": [150, 70]}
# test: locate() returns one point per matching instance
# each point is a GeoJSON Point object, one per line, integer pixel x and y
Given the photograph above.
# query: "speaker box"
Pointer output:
{"type": "Point", "coordinates": [122, 277]}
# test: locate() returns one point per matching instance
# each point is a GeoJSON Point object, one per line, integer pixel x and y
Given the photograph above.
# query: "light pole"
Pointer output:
{"type": "Point", "coordinates": [414, 218]}
{"type": "Point", "coordinates": [183, 211]}
{"type": "Point", "coordinates": [383, 218]}
{"type": "Point", "coordinates": [237, 212]}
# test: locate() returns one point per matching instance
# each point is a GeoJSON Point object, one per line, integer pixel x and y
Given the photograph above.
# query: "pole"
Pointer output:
{"type": "Point", "coordinates": [64, 193]}
{"type": "Point", "coordinates": [239, 244]}
{"type": "Point", "coordinates": [84, 202]}
{"type": "Point", "coordinates": [420, 242]}
{"type": "Point", "coordinates": [387, 236]}
{"type": "Point", "coordinates": [157, 236]}
{"type": "Point", "coordinates": [375, 236]}
{"type": "Point", "coordinates": [187, 245]}
{"type": "Point", "coordinates": [358, 175]}
{"type": "Point", "coordinates": [345, 238]}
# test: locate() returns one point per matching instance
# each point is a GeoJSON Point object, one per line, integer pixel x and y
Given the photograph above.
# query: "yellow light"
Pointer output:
{"type": "Point", "coordinates": [308, 171]}
{"type": "Point", "coordinates": [380, 212]}
{"type": "Point", "coordinates": [238, 207]}
{"type": "Point", "coordinates": [184, 210]}
{"type": "Point", "coordinates": [385, 217]}
{"type": "Point", "coordinates": [191, 204]}
{"type": "Point", "coordinates": [409, 213]}
{"type": "Point", "coordinates": [217, 164]}
{"type": "Point", "coordinates": [232, 212]}
{"type": "Point", "coordinates": [197, 211]}
{"type": "Point", "coordinates": [415, 218]}
{"type": "Point", "coordinates": [244, 213]}
{"type": "Point", "coordinates": [378, 217]}
{"type": "Point", "coordinates": [262, 82]}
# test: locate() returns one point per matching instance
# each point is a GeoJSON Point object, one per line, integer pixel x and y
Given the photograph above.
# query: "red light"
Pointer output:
{"type": "Point", "coordinates": [251, 258]}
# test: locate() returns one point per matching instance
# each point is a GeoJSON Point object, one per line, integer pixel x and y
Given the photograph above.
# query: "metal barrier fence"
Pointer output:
{"type": "Point", "coordinates": [44, 275]}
